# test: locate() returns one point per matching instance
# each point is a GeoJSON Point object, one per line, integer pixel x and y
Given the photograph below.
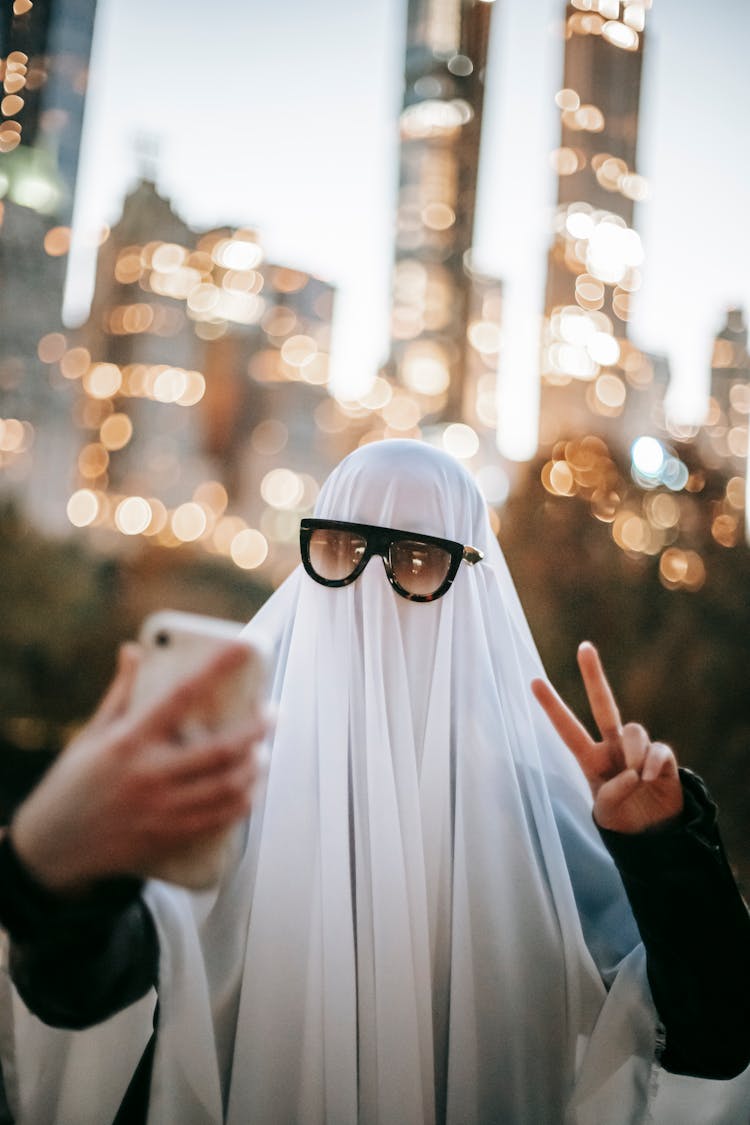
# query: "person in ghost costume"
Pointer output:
{"type": "Point", "coordinates": [423, 922]}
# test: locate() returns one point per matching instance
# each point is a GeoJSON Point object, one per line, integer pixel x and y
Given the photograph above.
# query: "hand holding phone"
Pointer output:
{"type": "Point", "coordinates": [175, 646]}
{"type": "Point", "coordinates": [159, 775]}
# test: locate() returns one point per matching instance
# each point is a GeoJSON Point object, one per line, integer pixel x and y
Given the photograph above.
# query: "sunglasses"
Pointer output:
{"type": "Point", "coordinates": [419, 567]}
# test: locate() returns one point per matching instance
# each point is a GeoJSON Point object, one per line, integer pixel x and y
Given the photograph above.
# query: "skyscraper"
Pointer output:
{"type": "Point", "coordinates": [440, 127]}
{"type": "Point", "coordinates": [595, 252]}
{"type": "Point", "coordinates": [45, 46]}
{"type": "Point", "coordinates": [723, 440]}
{"type": "Point", "coordinates": [203, 370]}
{"type": "Point", "coordinates": [44, 58]}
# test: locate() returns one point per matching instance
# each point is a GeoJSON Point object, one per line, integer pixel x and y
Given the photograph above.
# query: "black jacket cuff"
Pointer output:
{"type": "Point", "coordinates": [30, 912]}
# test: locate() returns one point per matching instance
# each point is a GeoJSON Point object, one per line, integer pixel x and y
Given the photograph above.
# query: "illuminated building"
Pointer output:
{"type": "Point", "coordinates": [45, 51]}
{"type": "Point", "coordinates": [33, 467]}
{"type": "Point", "coordinates": [603, 423]}
{"type": "Point", "coordinates": [436, 297]}
{"type": "Point", "coordinates": [730, 361]}
{"type": "Point", "coordinates": [595, 255]}
{"type": "Point", "coordinates": [723, 438]}
{"type": "Point", "coordinates": [203, 369]}
{"type": "Point", "coordinates": [44, 56]}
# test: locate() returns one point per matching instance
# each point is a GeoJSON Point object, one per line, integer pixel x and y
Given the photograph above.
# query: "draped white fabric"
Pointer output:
{"type": "Point", "coordinates": [419, 895]}
{"type": "Point", "coordinates": [421, 925]}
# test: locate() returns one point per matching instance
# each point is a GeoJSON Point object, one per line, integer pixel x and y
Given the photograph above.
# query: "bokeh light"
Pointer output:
{"type": "Point", "coordinates": [249, 549]}
{"type": "Point", "coordinates": [133, 515]}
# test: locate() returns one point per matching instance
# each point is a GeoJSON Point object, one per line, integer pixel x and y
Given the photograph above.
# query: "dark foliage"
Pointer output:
{"type": "Point", "coordinates": [677, 660]}
{"type": "Point", "coordinates": [65, 609]}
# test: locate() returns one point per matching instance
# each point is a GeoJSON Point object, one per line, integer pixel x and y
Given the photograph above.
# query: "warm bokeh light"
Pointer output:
{"type": "Point", "coordinates": [269, 437]}
{"type": "Point", "coordinates": [226, 529]}
{"type": "Point", "coordinates": [83, 507]}
{"type": "Point", "coordinates": [133, 515]}
{"type": "Point", "coordinates": [567, 99]}
{"type": "Point", "coordinates": [249, 549]}
{"type": "Point", "coordinates": [189, 522]}
{"type": "Point", "coordinates": [12, 435]}
{"type": "Point", "coordinates": [93, 460]}
{"type": "Point", "coordinates": [169, 384]}
{"type": "Point", "coordinates": [102, 380]}
{"type": "Point", "coordinates": [116, 431]}
{"type": "Point", "coordinates": [460, 441]}
{"type": "Point", "coordinates": [11, 104]}
{"type": "Point", "coordinates": [75, 362]}
{"type": "Point", "coordinates": [51, 347]}
{"type": "Point", "coordinates": [57, 241]}
{"type": "Point", "coordinates": [213, 495]}
{"type": "Point", "coordinates": [281, 488]}
{"type": "Point", "coordinates": [621, 35]}
{"type": "Point", "coordinates": [401, 413]}
{"type": "Point", "coordinates": [237, 254]}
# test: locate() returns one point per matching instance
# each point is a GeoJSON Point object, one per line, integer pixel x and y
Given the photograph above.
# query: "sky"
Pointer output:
{"type": "Point", "coordinates": [281, 116]}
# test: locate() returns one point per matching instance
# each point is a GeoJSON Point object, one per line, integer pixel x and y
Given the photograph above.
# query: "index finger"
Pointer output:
{"type": "Point", "coordinates": [195, 688]}
{"type": "Point", "coordinates": [571, 731]}
{"type": "Point", "coordinates": [603, 706]}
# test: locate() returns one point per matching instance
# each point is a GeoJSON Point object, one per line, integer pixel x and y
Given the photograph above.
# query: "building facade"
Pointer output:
{"type": "Point", "coordinates": [436, 294]}
{"type": "Point", "coordinates": [203, 411]}
{"type": "Point", "coordinates": [45, 51]}
{"type": "Point", "coordinates": [589, 368]}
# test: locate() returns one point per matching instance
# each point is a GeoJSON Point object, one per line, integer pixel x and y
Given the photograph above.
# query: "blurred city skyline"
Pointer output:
{"type": "Point", "coordinates": [283, 117]}
{"type": "Point", "coordinates": [163, 451]}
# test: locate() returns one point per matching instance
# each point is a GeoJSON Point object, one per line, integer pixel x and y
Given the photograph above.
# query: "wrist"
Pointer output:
{"type": "Point", "coordinates": [45, 862]}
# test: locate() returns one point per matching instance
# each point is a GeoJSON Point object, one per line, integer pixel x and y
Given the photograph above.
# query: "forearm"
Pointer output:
{"type": "Point", "coordinates": [76, 961]}
{"type": "Point", "coordinates": [696, 931]}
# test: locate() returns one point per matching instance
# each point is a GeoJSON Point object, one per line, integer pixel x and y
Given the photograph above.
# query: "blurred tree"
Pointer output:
{"type": "Point", "coordinates": [64, 610]}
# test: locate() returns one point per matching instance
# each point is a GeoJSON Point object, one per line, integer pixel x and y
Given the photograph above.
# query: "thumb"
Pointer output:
{"type": "Point", "coordinates": [117, 697]}
{"type": "Point", "coordinates": [612, 794]}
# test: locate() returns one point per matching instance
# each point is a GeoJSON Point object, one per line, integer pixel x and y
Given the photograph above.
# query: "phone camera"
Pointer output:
{"type": "Point", "coordinates": [162, 638]}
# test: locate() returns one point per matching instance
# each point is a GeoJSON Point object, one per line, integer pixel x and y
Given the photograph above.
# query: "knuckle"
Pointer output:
{"type": "Point", "coordinates": [226, 753]}
{"type": "Point", "coordinates": [238, 785]}
{"type": "Point", "coordinates": [213, 755]}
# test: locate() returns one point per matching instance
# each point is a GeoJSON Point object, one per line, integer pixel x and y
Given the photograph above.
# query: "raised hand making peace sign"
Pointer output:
{"type": "Point", "coordinates": [634, 781]}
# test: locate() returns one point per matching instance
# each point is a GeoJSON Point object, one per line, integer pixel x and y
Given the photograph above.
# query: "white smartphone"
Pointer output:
{"type": "Point", "coordinates": [175, 646]}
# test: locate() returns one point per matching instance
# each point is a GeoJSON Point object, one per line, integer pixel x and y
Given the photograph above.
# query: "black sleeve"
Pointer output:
{"type": "Point", "coordinates": [76, 961]}
{"type": "Point", "coordinates": [696, 931]}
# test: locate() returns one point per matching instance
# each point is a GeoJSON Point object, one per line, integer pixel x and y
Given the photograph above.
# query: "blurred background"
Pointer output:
{"type": "Point", "coordinates": [239, 240]}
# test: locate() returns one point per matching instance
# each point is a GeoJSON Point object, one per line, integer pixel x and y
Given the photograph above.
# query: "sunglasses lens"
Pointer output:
{"type": "Point", "coordinates": [335, 554]}
{"type": "Point", "coordinates": [419, 568]}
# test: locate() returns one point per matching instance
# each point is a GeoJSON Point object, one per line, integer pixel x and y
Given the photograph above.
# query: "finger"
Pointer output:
{"type": "Point", "coordinates": [117, 696]}
{"type": "Point", "coordinates": [198, 822]}
{"type": "Point", "coordinates": [216, 790]}
{"type": "Point", "coordinates": [635, 746]}
{"type": "Point", "coordinates": [212, 755]}
{"type": "Point", "coordinates": [574, 734]}
{"type": "Point", "coordinates": [197, 688]}
{"type": "Point", "coordinates": [602, 701]}
{"type": "Point", "coordinates": [612, 794]}
{"type": "Point", "coordinates": [660, 762]}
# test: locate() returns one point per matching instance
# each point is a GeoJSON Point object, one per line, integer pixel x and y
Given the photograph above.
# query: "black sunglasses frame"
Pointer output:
{"type": "Point", "coordinates": [378, 541]}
